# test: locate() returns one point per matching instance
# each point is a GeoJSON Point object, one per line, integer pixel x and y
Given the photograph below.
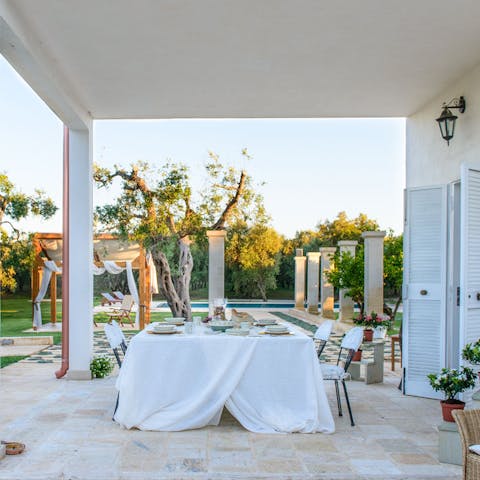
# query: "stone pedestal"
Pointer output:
{"type": "Point", "coordinates": [216, 266]}
{"type": "Point", "coordinates": [449, 445]}
{"type": "Point", "coordinates": [326, 288]}
{"type": "Point", "coordinates": [373, 289]}
{"type": "Point", "coordinates": [313, 275]}
{"type": "Point", "coordinates": [346, 303]}
{"type": "Point", "coordinates": [300, 264]}
{"type": "Point", "coordinates": [371, 370]}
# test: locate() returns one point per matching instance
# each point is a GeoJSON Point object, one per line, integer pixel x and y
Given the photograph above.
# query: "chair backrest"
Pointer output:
{"type": "Point", "coordinates": [119, 295]}
{"type": "Point", "coordinates": [116, 339]}
{"type": "Point", "coordinates": [127, 303]}
{"type": "Point", "coordinates": [353, 339]}
{"type": "Point", "coordinates": [324, 330]}
{"type": "Point", "coordinates": [468, 422]}
{"type": "Point", "coordinates": [351, 343]}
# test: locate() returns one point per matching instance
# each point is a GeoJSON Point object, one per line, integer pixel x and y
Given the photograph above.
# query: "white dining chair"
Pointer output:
{"type": "Point", "coordinates": [322, 335]}
{"type": "Point", "coordinates": [338, 373]}
{"type": "Point", "coordinates": [116, 339]}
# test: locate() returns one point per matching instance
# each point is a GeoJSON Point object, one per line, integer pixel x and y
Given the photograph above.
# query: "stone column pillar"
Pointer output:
{"type": "Point", "coordinates": [326, 288]}
{"type": "Point", "coordinates": [313, 270]}
{"type": "Point", "coordinates": [300, 263]}
{"type": "Point", "coordinates": [346, 303]}
{"type": "Point", "coordinates": [373, 274]}
{"type": "Point", "coordinates": [216, 266]}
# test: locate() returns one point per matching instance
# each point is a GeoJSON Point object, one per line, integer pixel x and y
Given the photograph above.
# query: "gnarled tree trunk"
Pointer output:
{"type": "Point", "coordinates": [176, 291]}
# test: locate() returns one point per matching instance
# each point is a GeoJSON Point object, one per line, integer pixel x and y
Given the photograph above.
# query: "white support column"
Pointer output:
{"type": "Point", "coordinates": [373, 274]}
{"type": "Point", "coordinates": [326, 288]}
{"type": "Point", "coordinates": [313, 270]}
{"type": "Point", "coordinates": [80, 231]}
{"type": "Point", "coordinates": [346, 303]}
{"type": "Point", "coordinates": [216, 266]}
{"type": "Point", "coordinates": [300, 263]}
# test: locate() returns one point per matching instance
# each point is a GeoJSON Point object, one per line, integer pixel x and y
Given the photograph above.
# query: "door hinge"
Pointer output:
{"type": "Point", "coordinates": [458, 296]}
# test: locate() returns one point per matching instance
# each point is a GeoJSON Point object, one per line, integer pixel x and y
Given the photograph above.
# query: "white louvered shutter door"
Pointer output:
{"type": "Point", "coordinates": [424, 288]}
{"type": "Point", "coordinates": [470, 256]}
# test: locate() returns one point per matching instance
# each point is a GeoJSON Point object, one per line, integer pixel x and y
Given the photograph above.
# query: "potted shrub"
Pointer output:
{"type": "Point", "coordinates": [451, 382]}
{"type": "Point", "coordinates": [370, 322]}
{"type": "Point", "coordinates": [471, 353]}
{"type": "Point", "coordinates": [101, 367]}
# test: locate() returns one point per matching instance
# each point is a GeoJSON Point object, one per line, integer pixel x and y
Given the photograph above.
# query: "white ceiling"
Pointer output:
{"type": "Point", "coordinates": [251, 58]}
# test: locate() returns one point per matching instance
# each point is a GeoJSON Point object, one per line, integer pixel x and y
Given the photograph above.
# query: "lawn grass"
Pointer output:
{"type": "Point", "coordinates": [5, 361]}
{"type": "Point", "coordinates": [16, 316]}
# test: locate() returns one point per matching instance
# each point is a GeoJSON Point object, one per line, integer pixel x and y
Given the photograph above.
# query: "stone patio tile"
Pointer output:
{"type": "Point", "coordinates": [396, 445]}
{"type": "Point", "coordinates": [319, 468]}
{"type": "Point", "coordinates": [370, 466]}
{"type": "Point", "coordinates": [280, 466]}
{"type": "Point", "coordinates": [229, 461]}
{"type": "Point", "coordinates": [413, 459]}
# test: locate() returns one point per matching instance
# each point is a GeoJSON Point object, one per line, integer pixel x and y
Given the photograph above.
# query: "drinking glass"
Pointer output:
{"type": "Point", "coordinates": [188, 328]}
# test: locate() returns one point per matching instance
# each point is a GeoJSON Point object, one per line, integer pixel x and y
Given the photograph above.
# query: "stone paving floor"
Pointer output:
{"type": "Point", "coordinates": [69, 434]}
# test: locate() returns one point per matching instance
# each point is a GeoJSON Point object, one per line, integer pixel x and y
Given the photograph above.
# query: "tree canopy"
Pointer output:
{"type": "Point", "coordinates": [16, 252]}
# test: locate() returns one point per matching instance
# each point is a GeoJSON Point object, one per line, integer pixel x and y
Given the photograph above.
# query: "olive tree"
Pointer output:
{"type": "Point", "coordinates": [158, 209]}
{"type": "Point", "coordinates": [16, 252]}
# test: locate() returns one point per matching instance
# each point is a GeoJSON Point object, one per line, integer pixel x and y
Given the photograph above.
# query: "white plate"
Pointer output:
{"type": "Point", "coordinates": [174, 321]}
{"type": "Point", "coordinates": [276, 329]}
{"type": "Point", "coordinates": [237, 331]}
{"type": "Point", "coordinates": [265, 322]}
{"type": "Point", "coordinates": [164, 328]}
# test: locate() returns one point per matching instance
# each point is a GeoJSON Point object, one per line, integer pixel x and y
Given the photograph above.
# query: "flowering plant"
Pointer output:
{"type": "Point", "coordinates": [471, 352]}
{"type": "Point", "coordinates": [452, 381]}
{"type": "Point", "coordinates": [101, 367]}
{"type": "Point", "coordinates": [373, 320]}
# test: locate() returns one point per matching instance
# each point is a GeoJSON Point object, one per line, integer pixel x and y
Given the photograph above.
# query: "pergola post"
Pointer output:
{"type": "Point", "coordinates": [300, 264]}
{"type": "Point", "coordinates": [373, 274]}
{"type": "Point", "coordinates": [216, 266]}
{"type": "Point", "coordinates": [326, 288]}
{"type": "Point", "coordinates": [313, 270]}
{"type": "Point", "coordinates": [346, 303]}
{"type": "Point", "coordinates": [78, 234]}
{"type": "Point", "coordinates": [144, 292]}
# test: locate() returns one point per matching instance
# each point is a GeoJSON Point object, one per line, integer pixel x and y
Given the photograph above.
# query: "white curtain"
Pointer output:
{"type": "Point", "coordinates": [47, 270]}
{"type": "Point", "coordinates": [133, 291]}
{"type": "Point", "coordinates": [153, 274]}
{"type": "Point", "coordinates": [98, 270]}
{"type": "Point", "coordinates": [112, 267]}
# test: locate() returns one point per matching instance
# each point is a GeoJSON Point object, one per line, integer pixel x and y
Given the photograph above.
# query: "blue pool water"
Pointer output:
{"type": "Point", "coordinates": [242, 305]}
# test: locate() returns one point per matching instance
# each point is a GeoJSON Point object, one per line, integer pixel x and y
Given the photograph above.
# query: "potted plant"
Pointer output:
{"type": "Point", "coordinates": [370, 322]}
{"type": "Point", "coordinates": [471, 353]}
{"type": "Point", "coordinates": [101, 367]}
{"type": "Point", "coordinates": [451, 382]}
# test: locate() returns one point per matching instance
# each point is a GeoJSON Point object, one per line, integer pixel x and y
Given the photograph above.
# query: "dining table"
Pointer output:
{"type": "Point", "coordinates": [269, 383]}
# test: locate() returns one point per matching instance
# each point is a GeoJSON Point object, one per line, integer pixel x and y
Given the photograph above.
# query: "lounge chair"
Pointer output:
{"type": "Point", "coordinates": [124, 312]}
{"type": "Point", "coordinates": [108, 299]}
{"type": "Point", "coordinates": [119, 295]}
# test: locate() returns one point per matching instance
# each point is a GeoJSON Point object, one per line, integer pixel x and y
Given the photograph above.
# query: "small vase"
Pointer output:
{"type": "Point", "coordinates": [367, 335]}
{"type": "Point", "coordinates": [357, 357]}
{"type": "Point", "coordinates": [448, 406]}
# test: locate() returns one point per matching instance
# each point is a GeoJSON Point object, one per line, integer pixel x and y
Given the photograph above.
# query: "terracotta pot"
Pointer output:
{"type": "Point", "coordinates": [367, 335]}
{"type": "Point", "coordinates": [448, 406]}
{"type": "Point", "coordinates": [358, 356]}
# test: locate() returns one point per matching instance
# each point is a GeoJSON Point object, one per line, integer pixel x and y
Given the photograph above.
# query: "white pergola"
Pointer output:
{"type": "Point", "coordinates": [118, 59]}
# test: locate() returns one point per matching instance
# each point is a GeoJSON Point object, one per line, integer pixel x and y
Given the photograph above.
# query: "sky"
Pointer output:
{"type": "Point", "coordinates": [311, 168]}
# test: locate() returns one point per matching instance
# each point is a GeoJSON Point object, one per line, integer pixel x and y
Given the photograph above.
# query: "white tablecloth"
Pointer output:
{"type": "Point", "coordinates": [180, 382]}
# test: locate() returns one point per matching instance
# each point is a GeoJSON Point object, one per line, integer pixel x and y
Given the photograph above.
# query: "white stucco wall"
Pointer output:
{"type": "Point", "coordinates": [430, 161]}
